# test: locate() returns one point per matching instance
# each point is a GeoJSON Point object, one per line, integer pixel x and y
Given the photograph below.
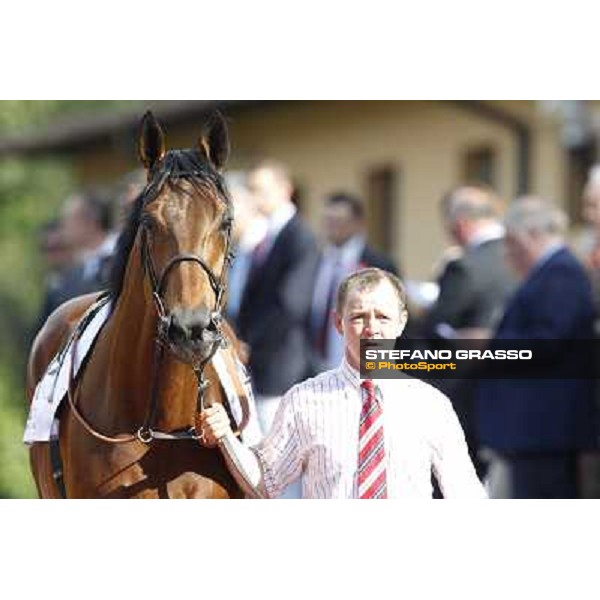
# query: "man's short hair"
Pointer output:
{"type": "Point", "coordinates": [472, 202]}
{"type": "Point", "coordinates": [367, 279]}
{"type": "Point", "coordinates": [354, 203]}
{"type": "Point", "coordinates": [530, 214]}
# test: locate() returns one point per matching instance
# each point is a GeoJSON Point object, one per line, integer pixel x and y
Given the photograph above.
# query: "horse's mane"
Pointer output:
{"type": "Point", "coordinates": [175, 165]}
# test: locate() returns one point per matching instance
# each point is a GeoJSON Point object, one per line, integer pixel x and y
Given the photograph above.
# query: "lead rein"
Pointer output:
{"type": "Point", "coordinates": [244, 466]}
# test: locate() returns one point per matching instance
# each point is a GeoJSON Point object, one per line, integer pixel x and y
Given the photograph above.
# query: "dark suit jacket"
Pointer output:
{"type": "Point", "coordinates": [473, 289]}
{"type": "Point", "coordinates": [274, 309]}
{"type": "Point", "coordinates": [473, 292]}
{"type": "Point", "coordinates": [543, 415]}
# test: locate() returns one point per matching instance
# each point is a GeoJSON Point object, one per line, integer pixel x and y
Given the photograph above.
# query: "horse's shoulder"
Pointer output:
{"type": "Point", "coordinates": [54, 333]}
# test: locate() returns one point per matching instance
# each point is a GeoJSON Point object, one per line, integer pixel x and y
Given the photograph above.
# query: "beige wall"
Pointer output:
{"type": "Point", "coordinates": [333, 145]}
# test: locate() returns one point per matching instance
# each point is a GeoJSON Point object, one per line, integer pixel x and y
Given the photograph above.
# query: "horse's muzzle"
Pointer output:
{"type": "Point", "coordinates": [192, 334]}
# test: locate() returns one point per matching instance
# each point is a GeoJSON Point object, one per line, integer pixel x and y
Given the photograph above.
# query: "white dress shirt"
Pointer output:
{"type": "Point", "coordinates": [315, 434]}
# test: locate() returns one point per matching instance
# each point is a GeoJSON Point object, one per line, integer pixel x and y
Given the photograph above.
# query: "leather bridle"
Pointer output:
{"type": "Point", "coordinates": [217, 284]}
{"type": "Point", "coordinates": [146, 433]}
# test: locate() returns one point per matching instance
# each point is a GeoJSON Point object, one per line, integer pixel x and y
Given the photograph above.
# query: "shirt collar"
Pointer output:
{"type": "Point", "coordinates": [353, 379]}
{"type": "Point", "coordinates": [351, 249]}
{"type": "Point", "coordinates": [350, 374]}
{"type": "Point", "coordinates": [547, 254]}
{"type": "Point", "coordinates": [491, 231]}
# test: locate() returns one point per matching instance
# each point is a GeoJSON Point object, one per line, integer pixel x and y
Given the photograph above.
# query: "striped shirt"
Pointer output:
{"type": "Point", "coordinates": [315, 434]}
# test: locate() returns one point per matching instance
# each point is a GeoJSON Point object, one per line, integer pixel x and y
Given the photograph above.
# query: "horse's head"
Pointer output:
{"type": "Point", "coordinates": [184, 230]}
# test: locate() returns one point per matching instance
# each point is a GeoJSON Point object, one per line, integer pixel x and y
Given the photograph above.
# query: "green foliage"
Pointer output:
{"type": "Point", "coordinates": [15, 477]}
{"type": "Point", "coordinates": [17, 116]}
{"type": "Point", "coordinates": [31, 192]}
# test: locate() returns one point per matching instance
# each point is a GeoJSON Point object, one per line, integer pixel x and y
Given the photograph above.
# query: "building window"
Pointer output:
{"type": "Point", "coordinates": [479, 166]}
{"type": "Point", "coordinates": [382, 198]}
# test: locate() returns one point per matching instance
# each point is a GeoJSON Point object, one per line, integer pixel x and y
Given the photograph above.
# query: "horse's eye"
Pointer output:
{"type": "Point", "coordinates": [148, 223]}
{"type": "Point", "coordinates": [226, 224]}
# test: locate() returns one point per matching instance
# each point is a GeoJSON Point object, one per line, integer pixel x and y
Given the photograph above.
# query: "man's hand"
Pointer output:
{"type": "Point", "coordinates": [214, 424]}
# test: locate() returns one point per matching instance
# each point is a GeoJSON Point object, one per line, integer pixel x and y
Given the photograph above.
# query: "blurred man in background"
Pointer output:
{"type": "Point", "coordinates": [86, 228]}
{"type": "Point", "coordinates": [535, 431]}
{"type": "Point", "coordinates": [57, 259]}
{"type": "Point", "coordinates": [345, 251]}
{"type": "Point", "coordinates": [588, 244]}
{"type": "Point", "coordinates": [276, 298]}
{"type": "Point", "coordinates": [473, 286]}
{"type": "Point", "coordinates": [128, 190]}
{"type": "Point", "coordinates": [249, 229]}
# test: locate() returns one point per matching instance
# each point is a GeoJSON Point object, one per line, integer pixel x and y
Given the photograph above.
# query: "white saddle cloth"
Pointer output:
{"type": "Point", "coordinates": [42, 424]}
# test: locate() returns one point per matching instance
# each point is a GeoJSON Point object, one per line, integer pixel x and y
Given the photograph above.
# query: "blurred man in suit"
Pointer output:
{"type": "Point", "coordinates": [249, 229]}
{"type": "Point", "coordinates": [275, 301]}
{"type": "Point", "coordinates": [536, 430]}
{"type": "Point", "coordinates": [345, 251]}
{"type": "Point", "coordinates": [473, 287]}
{"type": "Point", "coordinates": [86, 228]}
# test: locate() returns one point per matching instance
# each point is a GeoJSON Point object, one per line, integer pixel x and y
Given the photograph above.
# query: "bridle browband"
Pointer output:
{"type": "Point", "coordinates": [146, 433]}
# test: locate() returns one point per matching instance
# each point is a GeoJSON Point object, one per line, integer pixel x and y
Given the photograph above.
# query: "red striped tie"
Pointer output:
{"type": "Point", "coordinates": [372, 481]}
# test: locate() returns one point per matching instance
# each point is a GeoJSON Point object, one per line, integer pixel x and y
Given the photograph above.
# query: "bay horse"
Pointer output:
{"type": "Point", "coordinates": [151, 361]}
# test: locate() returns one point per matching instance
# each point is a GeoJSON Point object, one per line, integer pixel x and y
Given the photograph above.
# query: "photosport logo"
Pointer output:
{"type": "Point", "coordinates": [477, 359]}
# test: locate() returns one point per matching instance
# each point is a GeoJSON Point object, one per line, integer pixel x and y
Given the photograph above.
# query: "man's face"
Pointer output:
{"type": "Point", "coordinates": [76, 225]}
{"type": "Point", "coordinates": [267, 192]}
{"type": "Point", "coordinates": [339, 224]}
{"type": "Point", "coordinates": [373, 313]}
{"type": "Point", "coordinates": [244, 210]}
{"type": "Point", "coordinates": [459, 230]}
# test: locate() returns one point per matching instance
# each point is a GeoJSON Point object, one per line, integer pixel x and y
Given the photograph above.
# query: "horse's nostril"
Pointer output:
{"type": "Point", "coordinates": [177, 332]}
{"type": "Point", "coordinates": [196, 333]}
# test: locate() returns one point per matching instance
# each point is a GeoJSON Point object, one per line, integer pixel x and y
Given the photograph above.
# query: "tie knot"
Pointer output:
{"type": "Point", "coordinates": [368, 385]}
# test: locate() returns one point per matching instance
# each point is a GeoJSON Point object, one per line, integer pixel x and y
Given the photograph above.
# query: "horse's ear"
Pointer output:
{"type": "Point", "coordinates": [151, 143]}
{"type": "Point", "coordinates": [214, 143]}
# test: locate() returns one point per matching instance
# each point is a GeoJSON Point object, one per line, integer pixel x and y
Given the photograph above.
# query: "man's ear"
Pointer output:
{"type": "Point", "coordinates": [403, 321]}
{"type": "Point", "coordinates": [338, 323]}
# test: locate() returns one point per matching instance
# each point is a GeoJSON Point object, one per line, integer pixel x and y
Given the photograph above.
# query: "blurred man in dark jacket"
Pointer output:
{"type": "Point", "coordinates": [535, 430]}
{"type": "Point", "coordinates": [473, 287]}
{"type": "Point", "coordinates": [344, 252]}
{"type": "Point", "coordinates": [275, 300]}
{"type": "Point", "coordinates": [85, 222]}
